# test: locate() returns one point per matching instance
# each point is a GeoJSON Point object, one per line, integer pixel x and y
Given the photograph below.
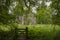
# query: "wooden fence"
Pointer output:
{"type": "Point", "coordinates": [21, 34]}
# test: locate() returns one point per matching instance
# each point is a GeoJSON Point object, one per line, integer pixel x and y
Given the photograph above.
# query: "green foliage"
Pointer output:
{"type": "Point", "coordinates": [44, 15]}
{"type": "Point", "coordinates": [35, 32]}
{"type": "Point", "coordinates": [44, 32]}
{"type": "Point", "coordinates": [56, 6]}
{"type": "Point", "coordinates": [5, 17]}
{"type": "Point", "coordinates": [7, 32]}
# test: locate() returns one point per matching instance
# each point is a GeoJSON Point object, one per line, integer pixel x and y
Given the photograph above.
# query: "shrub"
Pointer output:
{"type": "Point", "coordinates": [44, 32]}
{"type": "Point", "coordinates": [7, 32]}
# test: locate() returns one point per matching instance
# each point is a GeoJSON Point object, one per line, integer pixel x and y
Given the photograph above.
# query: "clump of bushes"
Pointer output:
{"type": "Point", "coordinates": [7, 32]}
{"type": "Point", "coordinates": [44, 32]}
{"type": "Point", "coordinates": [35, 32]}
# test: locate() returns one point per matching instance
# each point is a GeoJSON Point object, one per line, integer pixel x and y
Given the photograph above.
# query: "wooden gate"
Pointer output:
{"type": "Point", "coordinates": [21, 34]}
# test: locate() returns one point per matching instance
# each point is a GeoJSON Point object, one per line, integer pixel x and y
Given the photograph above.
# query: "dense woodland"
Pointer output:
{"type": "Point", "coordinates": [41, 17]}
{"type": "Point", "coordinates": [30, 11]}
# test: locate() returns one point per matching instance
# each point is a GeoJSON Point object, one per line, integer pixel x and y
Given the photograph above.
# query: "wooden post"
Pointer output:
{"type": "Point", "coordinates": [26, 33]}
{"type": "Point", "coordinates": [15, 34]}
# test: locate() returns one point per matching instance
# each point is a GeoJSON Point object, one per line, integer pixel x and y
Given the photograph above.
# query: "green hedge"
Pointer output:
{"type": "Point", "coordinates": [35, 32]}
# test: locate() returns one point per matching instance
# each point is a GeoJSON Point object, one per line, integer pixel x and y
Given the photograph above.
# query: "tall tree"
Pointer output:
{"type": "Point", "coordinates": [56, 10]}
{"type": "Point", "coordinates": [24, 7]}
{"type": "Point", "coordinates": [5, 17]}
{"type": "Point", "coordinates": [44, 12]}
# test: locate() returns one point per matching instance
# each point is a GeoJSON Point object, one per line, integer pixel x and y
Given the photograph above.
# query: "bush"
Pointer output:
{"type": "Point", "coordinates": [44, 32]}
{"type": "Point", "coordinates": [7, 32]}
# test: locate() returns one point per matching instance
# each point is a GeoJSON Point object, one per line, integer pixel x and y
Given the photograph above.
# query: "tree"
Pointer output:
{"type": "Point", "coordinates": [56, 9]}
{"type": "Point", "coordinates": [5, 17]}
{"type": "Point", "coordinates": [44, 13]}
{"type": "Point", "coordinates": [24, 8]}
{"type": "Point", "coordinates": [5, 7]}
